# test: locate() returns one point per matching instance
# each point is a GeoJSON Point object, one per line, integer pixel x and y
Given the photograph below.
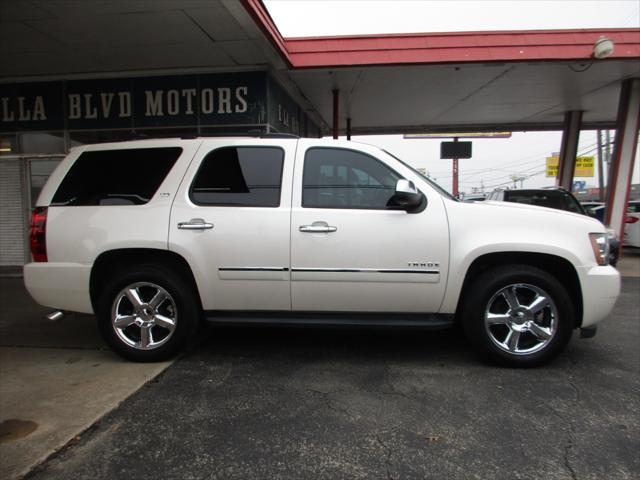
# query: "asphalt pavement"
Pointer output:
{"type": "Point", "coordinates": [285, 403]}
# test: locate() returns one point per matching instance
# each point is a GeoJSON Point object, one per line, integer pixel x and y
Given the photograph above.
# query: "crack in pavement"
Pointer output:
{"type": "Point", "coordinates": [571, 433]}
{"type": "Point", "coordinates": [388, 459]}
{"type": "Point", "coordinates": [568, 443]}
{"type": "Point", "coordinates": [570, 426]}
{"type": "Point", "coordinates": [392, 388]}
{"type": "Point", "coordinates": [328, 402]}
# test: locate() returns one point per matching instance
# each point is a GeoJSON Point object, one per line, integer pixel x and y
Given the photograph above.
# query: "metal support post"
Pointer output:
{"type": "Point", "coordinates": [624, 152]}
{"type": "Point", "coordinates": [569, 149]}
{"type": "Point", "coordinates": [336, 113]}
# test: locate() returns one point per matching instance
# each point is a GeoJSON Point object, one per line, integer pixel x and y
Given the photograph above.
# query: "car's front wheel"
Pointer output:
{"type": "Point", "coordinates": [147, 313]}
{"type": "Point", "coordinates": [518, 315]}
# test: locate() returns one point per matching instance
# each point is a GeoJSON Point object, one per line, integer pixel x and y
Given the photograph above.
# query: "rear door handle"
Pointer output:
{"type": "Point", "coordinates": [318, 227]}
{"type": "Point", "coordinates": [195, 224]}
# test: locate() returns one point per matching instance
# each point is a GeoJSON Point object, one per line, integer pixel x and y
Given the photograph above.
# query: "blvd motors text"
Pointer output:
{"type": "Point", "coordinates": [160, 103]}
{"type": "Point", "coordinates": [105, 105]}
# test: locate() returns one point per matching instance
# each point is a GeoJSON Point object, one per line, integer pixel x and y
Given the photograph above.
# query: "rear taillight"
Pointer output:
{"type": "Point", "coordinates": [38, 234]}
{"type": "Point", "coordinates": [631, 219]}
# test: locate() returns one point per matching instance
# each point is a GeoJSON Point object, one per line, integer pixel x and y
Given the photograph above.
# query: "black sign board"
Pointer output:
{"type": "Point", "coordinates": [32, 106]}
{"type": "Point", "coordinates": [455, 149]}
{"type": "Point", "coordinates": [140, 102]}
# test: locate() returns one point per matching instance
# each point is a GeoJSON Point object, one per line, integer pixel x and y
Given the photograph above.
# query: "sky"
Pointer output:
{"type": "Point", "coordinates": [494, 160]}
{"type": "Point", "coordinates": [305, 18]}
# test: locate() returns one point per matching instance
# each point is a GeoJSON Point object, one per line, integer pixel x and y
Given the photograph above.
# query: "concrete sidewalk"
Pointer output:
{"type": "Point", "coordinates": [56, 379]}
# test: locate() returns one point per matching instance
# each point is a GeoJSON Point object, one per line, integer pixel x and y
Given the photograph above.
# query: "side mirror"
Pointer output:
{"type": "Point", "coordinates": [407, 197]}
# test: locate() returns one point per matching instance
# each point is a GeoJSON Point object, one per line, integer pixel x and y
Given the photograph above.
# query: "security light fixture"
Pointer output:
{"type": "Point", "coordinates": [603, 48]}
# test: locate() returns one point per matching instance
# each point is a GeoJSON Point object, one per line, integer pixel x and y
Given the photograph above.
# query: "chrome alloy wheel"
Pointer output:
{"type": "Point", "coordinates": [144, 316]}
{"type": "Point", "coordinates": [521, 319]}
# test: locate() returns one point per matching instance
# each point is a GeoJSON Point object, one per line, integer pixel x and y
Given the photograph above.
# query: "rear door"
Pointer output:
{"type": "Point", "coordinates": [230, 220]}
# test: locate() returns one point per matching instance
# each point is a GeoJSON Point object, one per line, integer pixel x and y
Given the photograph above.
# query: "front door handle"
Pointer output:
{"type": "Point", "coordinates": [195, 224]}
{"type": "Point", "coordinates": [318, 227]}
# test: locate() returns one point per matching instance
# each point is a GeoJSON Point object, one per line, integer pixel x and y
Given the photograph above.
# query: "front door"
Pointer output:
{"type": "Point", "coordinates": [349, 251]}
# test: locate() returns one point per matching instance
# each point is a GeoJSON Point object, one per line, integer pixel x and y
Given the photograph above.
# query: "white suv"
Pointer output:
{"type": "Point", "coordinates": [155, 235]}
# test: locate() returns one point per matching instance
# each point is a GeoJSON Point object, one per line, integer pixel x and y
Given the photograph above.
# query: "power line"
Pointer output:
{"type": "Point", "coordinates": [585, 150]}
{"type": "Point", "coordinates": [472, 172]}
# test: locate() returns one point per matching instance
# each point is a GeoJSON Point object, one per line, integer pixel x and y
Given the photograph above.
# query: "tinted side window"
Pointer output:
{"type": "Point", "coordinates": [339, 178]}
{"type": "Point", "coordinates": [116, 177]}
{"type": "Point", "coordinates": [240, 176]}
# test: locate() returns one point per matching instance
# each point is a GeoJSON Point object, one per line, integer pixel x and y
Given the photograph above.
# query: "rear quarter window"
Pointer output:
{"type": "Point", "coordinates": [116, 177]}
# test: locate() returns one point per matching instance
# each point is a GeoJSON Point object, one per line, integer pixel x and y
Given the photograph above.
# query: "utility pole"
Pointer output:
{"type": "Point", "coordinates": [455, 173]}
{"type": "Point", "coordinates": [516, 179]}
{"type": "Point", "coordinates": [600, 168]}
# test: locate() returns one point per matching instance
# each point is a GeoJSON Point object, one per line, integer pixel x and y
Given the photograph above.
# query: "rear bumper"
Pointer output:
{"type": "Point", "coordinates": [600, 290]}
{"type": "Point", "coordinates": [63, 286]}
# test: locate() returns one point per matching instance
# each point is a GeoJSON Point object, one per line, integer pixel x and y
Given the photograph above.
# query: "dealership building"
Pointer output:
{"type": "Point", "coordinates": [87, 72]}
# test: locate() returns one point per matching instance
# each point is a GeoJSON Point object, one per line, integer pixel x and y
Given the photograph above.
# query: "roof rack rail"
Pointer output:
{"type": "Point", "coordinates": [278, 135]}
{"type": "Point", "coordinates": [248, 134]}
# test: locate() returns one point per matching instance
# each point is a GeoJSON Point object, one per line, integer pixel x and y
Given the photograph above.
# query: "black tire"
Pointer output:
{"type": "Point", "coordinates": [181, 306]}
{"type": "Point", "coordinates": [488, 293]}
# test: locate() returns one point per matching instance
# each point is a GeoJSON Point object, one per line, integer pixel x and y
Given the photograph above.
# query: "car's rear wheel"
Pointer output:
{"type": "Point", "coordinates": [518, 315]}
{"type": "Point", "coordinates": [147, 313]}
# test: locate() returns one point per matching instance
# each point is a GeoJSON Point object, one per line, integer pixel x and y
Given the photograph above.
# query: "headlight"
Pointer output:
{"type": "Point", "coordinates": [600, 245]}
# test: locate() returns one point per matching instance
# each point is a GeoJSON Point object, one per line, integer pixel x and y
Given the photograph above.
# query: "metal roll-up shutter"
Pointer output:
{"type": "Point", "coordinates": [12, 213]}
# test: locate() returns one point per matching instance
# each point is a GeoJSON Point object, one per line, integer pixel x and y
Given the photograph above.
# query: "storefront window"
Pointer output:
{"type": "Point", "coordinates": [42, 142]}
{"type": "Point", "coordinates": [8, 145]}
{"type": "Point", "coordinates": [40, 170]}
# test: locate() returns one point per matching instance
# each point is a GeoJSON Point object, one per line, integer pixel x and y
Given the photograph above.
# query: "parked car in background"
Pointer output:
{"type": "Point", "coordinates": [556, 198]}
{"type": "Point", "coordinates": [632, 225]}
{"type": "Point", "coordinates": [589, 206]}
{"type": "Point", "coordinates": [474, 197]}
{"type": "Point", "coordinates": [632, 222]}
{"type": "Point", "coordinates": [598, 212]}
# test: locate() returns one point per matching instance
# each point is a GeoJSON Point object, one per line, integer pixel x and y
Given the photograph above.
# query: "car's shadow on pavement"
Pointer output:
{"type": "Point", "coordinates": [337, 343]}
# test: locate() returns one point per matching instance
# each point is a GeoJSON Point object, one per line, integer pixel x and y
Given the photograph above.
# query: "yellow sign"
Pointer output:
{"type": "Point", "coordinates": [584, 166]}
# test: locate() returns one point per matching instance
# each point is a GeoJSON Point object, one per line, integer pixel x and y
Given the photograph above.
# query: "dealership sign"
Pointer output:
{"type": "Point", "coordinates": [584, 166]}
{"type": "Point", "coordinates": [228, 99]}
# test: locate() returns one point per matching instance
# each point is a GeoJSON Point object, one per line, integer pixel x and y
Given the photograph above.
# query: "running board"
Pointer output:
{"type": "Point", "coordinates": [405, 320]}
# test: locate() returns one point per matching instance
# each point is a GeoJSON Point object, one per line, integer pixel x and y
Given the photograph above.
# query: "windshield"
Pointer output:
{"type": "Point", "coordinates": [441, 190]}
{"type": "Point", "coordinates": [558, 199]}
